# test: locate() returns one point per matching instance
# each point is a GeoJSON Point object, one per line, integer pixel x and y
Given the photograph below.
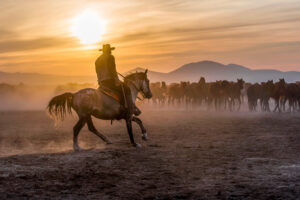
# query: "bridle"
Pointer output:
{"type": "Point", "coordinates": [136, 87]}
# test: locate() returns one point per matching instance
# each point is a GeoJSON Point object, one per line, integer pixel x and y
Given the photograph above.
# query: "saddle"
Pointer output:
{"type": "Point", "coordinates": [111, 93]}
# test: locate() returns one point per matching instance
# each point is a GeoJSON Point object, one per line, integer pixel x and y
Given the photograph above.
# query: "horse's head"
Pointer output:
{"type": "Point", "coordinates": [282, 81]}
{"type": "Point", "coordinates": [140, 82]}
{"type": "Point", "coordinates": [201, 81]}
{"type": "Point", "coordinates": [281, 84]}
{"type": "Point", "coordinates": [240, 83]}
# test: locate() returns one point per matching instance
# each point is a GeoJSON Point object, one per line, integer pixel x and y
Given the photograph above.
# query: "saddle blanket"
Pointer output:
{"type": "Point", "coordinates": [111, 93]}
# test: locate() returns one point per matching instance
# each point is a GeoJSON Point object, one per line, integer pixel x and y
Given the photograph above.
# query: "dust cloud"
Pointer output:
{"type": "Point", "coordinates": [33, 97]}
{"type": "Point", "coordinates": [191, 154]}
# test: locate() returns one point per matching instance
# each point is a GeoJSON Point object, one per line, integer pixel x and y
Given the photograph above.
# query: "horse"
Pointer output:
{"type": "Point", "coordinates": [219, 91]}
{"type": "Point", "coordinates": [292, 95]}
{"type": "Point", "coordinates": [254, 92]}
{"type": "Point", "coordinates": [278, 91]}
{"type": "Point", "coordinates": [235, 93]}
{"type": "Point", "coordinates": [266, 93]}
{"type": "Point", "coordinates": [158, 90]}
{"type": "Point", "coordinates": [93, 102]}
{"type": "Point", "coordinates": [176, 93]}
{"type": "Point", "coordinates": [202, 90]}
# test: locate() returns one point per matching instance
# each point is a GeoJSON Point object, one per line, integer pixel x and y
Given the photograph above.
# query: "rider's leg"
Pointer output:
{"type": "Point", "coordinates": [131, 107]}
{"type": "Point", "coordinates": [110, 83]}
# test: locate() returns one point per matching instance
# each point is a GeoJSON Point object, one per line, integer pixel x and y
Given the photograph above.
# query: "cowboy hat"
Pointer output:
{"type": "Point", "coordinates": [106, 47]}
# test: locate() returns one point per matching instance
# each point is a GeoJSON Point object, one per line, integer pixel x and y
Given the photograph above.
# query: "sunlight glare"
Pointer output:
{"type": "Point", "coordinates": [88, 27]}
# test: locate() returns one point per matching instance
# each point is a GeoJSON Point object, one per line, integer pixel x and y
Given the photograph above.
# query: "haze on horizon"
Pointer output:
{"type": "Point", "coordinates": [39, 36]}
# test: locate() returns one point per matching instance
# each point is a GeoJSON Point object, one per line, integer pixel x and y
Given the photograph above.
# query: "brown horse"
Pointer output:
{"type": "Point", "coordinates": [278, 91]}
{"type": "Point", "coordinates": [254, 93]}
{"type": "Point", "coordinates": [235, 93]}
{"type": "Point", "coordinates": [267, 91]}
{"type": "Point", "coordinates": [158, 90]}
{"type": "Point", "coordinates": [202, 90]}
{"type": "Point", "coordinates": [92, 102]}
{"type": "Point", "coordinates": [219, 92]}
{"type": "Point", "coordinates": [176, 93]}
{"type": "Point", "coordinates": [292, 94]}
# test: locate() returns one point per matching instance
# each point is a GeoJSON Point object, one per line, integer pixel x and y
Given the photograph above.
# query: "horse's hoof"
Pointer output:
{"type": "Point", "coordinates": [77, 149]}
{"type": "Point", "coordinates": [137, 145]}
{"type": "Point", "coordinates": [145, 137]}
{"type": "Point", "coordinates": [108, 142]}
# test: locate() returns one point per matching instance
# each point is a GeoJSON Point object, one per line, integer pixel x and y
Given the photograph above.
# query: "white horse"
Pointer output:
{"type": "Point", "coordinates": [92, 102]}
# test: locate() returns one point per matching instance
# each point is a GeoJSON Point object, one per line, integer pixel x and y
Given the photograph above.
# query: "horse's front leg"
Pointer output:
{"type": "Point", "coordinates": [277, 106]}
{"type": "Point", "coordinates": [140, 123]}
{"type": "Point", "coordinates": [129, 130]}
{"type": "Point", "coordinates": [240, 103]}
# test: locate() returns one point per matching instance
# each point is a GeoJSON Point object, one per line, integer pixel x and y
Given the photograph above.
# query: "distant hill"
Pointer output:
{"type": "Point", "coordinates": [189, 72]}
{"type": "Point", "coordinates": [213, 71]}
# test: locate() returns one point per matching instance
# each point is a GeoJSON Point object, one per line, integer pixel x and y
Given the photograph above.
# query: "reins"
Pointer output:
{"type": "Point", "coordinates": [134, 86]}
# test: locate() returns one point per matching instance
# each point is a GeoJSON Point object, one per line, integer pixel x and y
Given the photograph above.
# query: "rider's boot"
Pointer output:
{"type": "Point", "coordinates": [137, 111]}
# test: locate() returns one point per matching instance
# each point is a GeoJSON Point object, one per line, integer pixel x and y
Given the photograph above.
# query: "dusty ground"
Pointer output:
{"type": "Point", "coordinates": [190, 155]}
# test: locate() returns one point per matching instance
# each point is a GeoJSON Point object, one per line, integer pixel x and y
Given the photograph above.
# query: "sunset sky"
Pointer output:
{"type": "Point", "coordinates": [53, 36]}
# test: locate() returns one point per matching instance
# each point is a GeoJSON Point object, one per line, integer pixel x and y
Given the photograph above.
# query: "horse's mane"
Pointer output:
{"type": "Point", "coordinates": [134, 75]}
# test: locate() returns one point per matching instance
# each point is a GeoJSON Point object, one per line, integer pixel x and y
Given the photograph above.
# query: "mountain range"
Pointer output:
{"type": "Point", "coordinates": [213, 71]}
{"type": "Point", "coordinates": [189, 72]}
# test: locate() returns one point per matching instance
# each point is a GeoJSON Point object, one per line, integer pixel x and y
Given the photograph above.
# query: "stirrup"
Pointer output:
{"type": "Point", "coordinates": [137, 111]}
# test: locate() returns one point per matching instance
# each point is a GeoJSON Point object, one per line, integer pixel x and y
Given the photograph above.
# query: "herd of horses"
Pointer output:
{"type": "Point", "coordinates": [223, 94]}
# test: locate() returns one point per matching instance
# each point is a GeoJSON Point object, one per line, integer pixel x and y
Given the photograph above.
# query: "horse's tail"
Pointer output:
{"type": "Point", "coordinates": [60, 105]}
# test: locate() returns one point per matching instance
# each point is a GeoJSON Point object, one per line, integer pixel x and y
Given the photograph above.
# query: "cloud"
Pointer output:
{"type": "Point", "coordinates": [34, 44]}
{"type": "Point", "coordinates": [6, 34]}
{"type": "Point", "coordinates": [145, 31]}
{"type": "Point", "coordinates": [281, 47]}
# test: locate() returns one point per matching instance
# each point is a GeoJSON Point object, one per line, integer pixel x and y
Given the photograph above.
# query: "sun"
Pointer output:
{"type": "Point", "coordinates": [88, 27]}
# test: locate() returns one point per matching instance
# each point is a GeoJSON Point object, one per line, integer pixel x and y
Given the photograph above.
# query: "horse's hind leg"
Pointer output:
{"type": "Point", "coordinates": [79, 125]}
{"type": "Point", "coordinates": [92, 128]}
{"type": "Point", "coordinates": [140, 123]}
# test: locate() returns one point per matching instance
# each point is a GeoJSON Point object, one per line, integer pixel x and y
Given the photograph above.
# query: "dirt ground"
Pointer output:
{"type": "Point", "coordinates": [189, 155]}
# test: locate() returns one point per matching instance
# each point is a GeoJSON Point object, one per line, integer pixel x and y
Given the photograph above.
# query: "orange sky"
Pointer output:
{"type": "Point", "coordinates": [36, 36]}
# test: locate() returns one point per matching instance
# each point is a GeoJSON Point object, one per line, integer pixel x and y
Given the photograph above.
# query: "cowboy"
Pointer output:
{"type": "Point", "coordinates": [108, 77]}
